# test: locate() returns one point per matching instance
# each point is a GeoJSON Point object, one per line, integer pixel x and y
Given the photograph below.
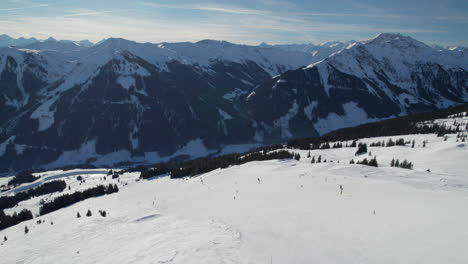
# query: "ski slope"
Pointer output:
{"type": "Point", "coordinates": [279, 211]}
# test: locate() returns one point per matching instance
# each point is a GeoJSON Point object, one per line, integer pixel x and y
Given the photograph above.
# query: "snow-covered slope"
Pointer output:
{"type": "Point", "coordinates": [280, 211]}
{"type": "Point", "coordinates": [319, 52]}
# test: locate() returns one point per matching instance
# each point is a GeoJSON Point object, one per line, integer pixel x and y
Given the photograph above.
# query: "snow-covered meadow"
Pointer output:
{"type": "Point", "coordinates": [278, 211]}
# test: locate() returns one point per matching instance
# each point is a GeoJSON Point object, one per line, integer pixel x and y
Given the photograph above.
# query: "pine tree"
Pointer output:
{"type": "Point", "coordinates": [78, 215]}
{"type": "Point", "coordinates": [392, 163]}
{"type": "Point", "coordinates": [363, 162]}
{"type": "Point", "coordinates": [373, 162]}
{"type": "Point", "coordinates": [362, 148]}
{"type": "Point", "coordinates": [308, 154]}
{"type": "Point", "coordinates": [404, 164]}
{"type": "Point", "coordinates": [88, 214]}
{"type": "Point", "coordinates": [297, 156]}
{"type": "Point", "coordinates": [313, 160]}
{"type": "Point", "coordinates": [319, 160]}
{"type": "Point", "coordinates": [26, 230]}
{"type": "Point", "coordinates": [352, 161]}
{"type": "Point", "coordinates": [5, 238]}
{"type": "Point", "coordinates": [412, 144]}
{"type": "Point", "coordinates": [390, 143]}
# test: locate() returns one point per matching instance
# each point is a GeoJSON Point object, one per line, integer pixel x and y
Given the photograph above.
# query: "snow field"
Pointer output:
{"type": "Point", "coordinates": [279, 211]}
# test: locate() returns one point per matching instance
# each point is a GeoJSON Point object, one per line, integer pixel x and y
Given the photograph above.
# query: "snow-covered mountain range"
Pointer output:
{"type": "Point", "coordinates": [122, 101]}
{"type": "Point", "coordinates": [7, 41]}
{"type": "Point", "coordinates": [389, 75]}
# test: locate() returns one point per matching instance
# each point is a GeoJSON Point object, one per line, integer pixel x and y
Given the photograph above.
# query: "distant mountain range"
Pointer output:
{"type": "Point", "coordinates": [119, 101]}
{"type": "Point", "coordinates": [7, 41]}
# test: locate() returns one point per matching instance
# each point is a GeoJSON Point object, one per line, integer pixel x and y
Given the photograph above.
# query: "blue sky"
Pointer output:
{"type": "Point", "coordinates": [443, 22]}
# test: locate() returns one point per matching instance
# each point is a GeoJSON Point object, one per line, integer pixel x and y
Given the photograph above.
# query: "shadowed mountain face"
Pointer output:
{"type": "Point", "coordinates": [122, 101]}
{"type": "Point", "coordinates": [390, 75]}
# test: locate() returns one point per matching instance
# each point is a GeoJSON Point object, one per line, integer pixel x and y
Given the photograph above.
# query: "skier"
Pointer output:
{"type": "Point", "coordinates": [341, 189]}
{"type": "Point", "coordinates": [258, 180]}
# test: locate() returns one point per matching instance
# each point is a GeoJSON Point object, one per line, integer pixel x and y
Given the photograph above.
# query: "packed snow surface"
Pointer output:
{"type": "Point", "coordinates": [279, 211]}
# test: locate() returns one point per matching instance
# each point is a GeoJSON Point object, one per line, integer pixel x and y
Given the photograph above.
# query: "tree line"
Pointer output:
{"type": "Point", "coordinates": [404, 164]}
{"type": "Point", "coordinates": [22, 177]}
{"type": "Point", "coordinates": [411, 124]}
{"type": "Point", "coordinates": [46, 188]}
{"type": "Point", "coordinates": [369, 162]}
{"type": "Point", "coordinates": [69, 199]}
{"type": "Point", "coordinates": [404, 125]}
{"type": "Point", "coordinates": [16, 218]}
{"type": "Point", "coordinates": [202, 165]}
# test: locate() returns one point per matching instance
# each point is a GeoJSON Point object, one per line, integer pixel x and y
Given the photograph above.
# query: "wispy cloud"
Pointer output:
{"type": "Point", "coordinates": [278, 3]}
{"type": "Point", "coordinates": [352, 15]}
{"type": "Point", "coordinates": [231, 23]}
{"type": "Point", "coordinates": [230, 10]}
{"type": "Point", "coordinates": [463, 19]}
{"type": "Point", "coordinates": [23, 7]}
{"type": "Point", "coordinates": [231, 27]}
{"type": "Point", "coordinates": [86, 12]}
{"type": "Point", "coordinates": [211, 8]}
{"type": "Point", "coordinates": [142, 30]}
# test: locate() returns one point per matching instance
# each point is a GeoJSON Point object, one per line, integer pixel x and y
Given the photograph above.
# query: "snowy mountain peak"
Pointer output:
{"type": "Point", "coordinates": [84, 43]}
{"type": "Point", "coordinates": [50, 39]}
{"type": "Point", "coordinates": [6, 41]}
{"type": "Point", "coordinates": [116, 43]}
{"type": "Point", "coordinates": [387, 36]}
{"type": "Point", "coordinates": [397, 40]}
{"type": "Point", "coordinates": [215, 43]}
{"type": "Point", "coordinates": [396, 52]}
